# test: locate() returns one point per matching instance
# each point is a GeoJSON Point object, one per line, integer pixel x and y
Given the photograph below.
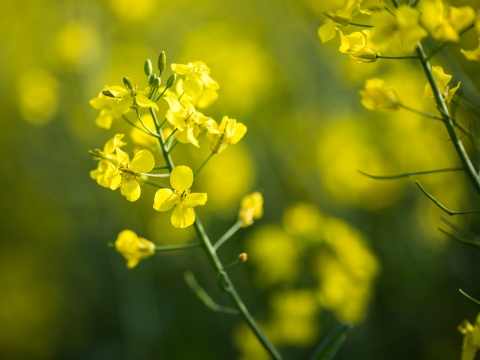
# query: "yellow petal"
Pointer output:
{"type": "Point", "coordinates": [122, 107]}
{"type": "Point", "coordinates": [182, 217]}
{"type": "Point", "coordinates": [145, 102]}
{"type": "Point", "coordinates": [130, 189]}
{"type": "Point", "coordinates": [122, 156]}
{"type": "Point", "coordinates": [195, 199]}
{"type": "Point", "coordinates": [326, 32]}
{"type": "Point", "coordinates": [451, 92]}
{"type": "Point", "coordinates": [142, 162]}
{"type": "Point", "coordinates": [192, 87]}
{"type": "Point", "coordinates": [240, 131]}
{"type": "Point", "coordinates": [165, 199]}
{"type": "Point", "coordinates": [181, 178]}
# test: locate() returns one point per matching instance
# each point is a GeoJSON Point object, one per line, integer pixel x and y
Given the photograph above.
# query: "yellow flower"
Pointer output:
{"type": "Point", "coordinates": [105, 105]}
{"type": "Point", "coordinates": [133, 248]}
{"type": "Point", "coordinates": [368, 7]}
{"type": "Point", "coordinates": [188, 121]}
{"type": "Point", "coordinates": [180, 198]}
{"type": "Point", "coordinates": [471, 338]}
{"type": "Point", "coordinates": [229, 132]}
{"type": "Point", "coordinates": [251, 208]}
{"type": "Point", "coordinates": [130, 171]}
{"type": "Point", "coordinates": [446, 28]}
{"type": "Point", "coordinates": [472, 55]}
{"type": "Point", "coordinates": [355, 45]}
{"type": "Point", "coordinates": [128, 98]}
{"type": "Point", "coordinates": [403, 28]}
{"type": "Point", "coordinates": [377, 96]}
{"type": "Point", "coordinates": [197, 76]}
{"type": "Point", "coordinates": [342, 17]}
{"type": "Point", "coordinates": [442, 80]}
{"type": "Point", "coordinates": [107, 170]}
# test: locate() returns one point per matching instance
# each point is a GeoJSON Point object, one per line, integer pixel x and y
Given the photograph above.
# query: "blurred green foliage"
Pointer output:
{"type": "Point", "coordinates": [332, 245]}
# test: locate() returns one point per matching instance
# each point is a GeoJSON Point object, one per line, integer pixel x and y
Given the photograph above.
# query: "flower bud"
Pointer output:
{"type": "Point", "coordinates": [171, 80]}
{"type": "Point", "coordinates": [148, 67]}
{"type": "Point", "coordinates": [151, 79]}
{"type": "Point", "coordinates": [157, 82]}
{"type": "Point", "coordinates": [162, 62]}
{"type": "Point", "coordinates": [128, 82]}
{"type": "Point", "coordinates": [242, 257]}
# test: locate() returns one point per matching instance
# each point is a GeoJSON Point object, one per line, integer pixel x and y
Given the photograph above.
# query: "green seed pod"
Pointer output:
{"type": "Point", "coordinates": [148, 67]}
{"type": "Point", "coordinates": [171, 80]}
{"type": "Point", "coordinates": [162, 62]}
{"type": "Point", "coordinates": [128, 82]}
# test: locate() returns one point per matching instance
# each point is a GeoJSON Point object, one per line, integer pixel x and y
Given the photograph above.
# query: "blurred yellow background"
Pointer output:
{"type": "Point", "coordinates": [333, 245]}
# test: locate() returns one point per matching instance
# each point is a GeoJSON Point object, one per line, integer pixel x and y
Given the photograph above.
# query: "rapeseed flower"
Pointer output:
{"type": "Point", "coordinates": [229, 132]}
{"type": "Point", "coordinates": [133, 248]}
{"type": "Point", "coordinates": [471, 338]}
{"type": "Point", "coordinates": [357, 47]}
{"type": "Point", "coordinates": [251, 208]}
{"type": "Point", "coordinates": [377, 96]}
{"type": "Point", "coordinates": [442, 80]}
{"type": "Point", "coordinates": [180, 198]}
{"type": "Point", "coordinates": [197, 77]}
{"type": "Point", "coordinates": [105, 104]}
{"type": "Point", "coordinates": [128, 97]}
{"type": "Point", "coordinates": [107, 170]}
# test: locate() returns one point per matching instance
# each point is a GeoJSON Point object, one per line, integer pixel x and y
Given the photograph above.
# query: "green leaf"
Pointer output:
{"type": "Point", "coordinates": [329, 347]}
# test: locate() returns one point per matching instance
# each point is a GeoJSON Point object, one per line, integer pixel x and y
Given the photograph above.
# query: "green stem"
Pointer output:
{"type": "Point", "coordinates": [447, 120]}
{"type": "Point", "coordinates": [442, 207]}
{"type": "Point", "coordinates": [427, 115]}
{"type": "Point", "coordinates": [160, 167]}
{"type": "Point", "coordinates": [395, 3]}
{"type": "Point", "coordinates": [143, 124]}
{"type": "Point", "coordinates": [170, 136]}
{"type": "Point", "coordinates": [176, 247]}
{"type": "Point", "coordinates": [138, 127]}
{"type": "Point", "coordinates": [228, 234]}
{"type": "Point", "coordinates": [233, 263]}
{"type": "Point", "coordinates": [361, 25]}
{"type": "Point", "coordinates": [408, 174]}
{"type": "Point", "coordinates": [232, 293]}
{"type": "Point", "coordinates": [156, 175]}
{"type": "Point", "coordinates": [202, 166]}
{"type": "Point", "coordinates": [397, 57]}
{"type": "Point", "coordinates": [163, 92]}
{"type": "Point", "coordinates": [173, 147]}
{"type": "Point", "coordinates": [469, 297]}
{"type": "Point", "coordinates": [161, 140]}
{"type": "Point", "coordinates": [472, 243]}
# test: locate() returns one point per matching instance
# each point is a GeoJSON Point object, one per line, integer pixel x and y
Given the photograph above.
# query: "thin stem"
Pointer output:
{"type": "Point", "coordinates": [233, 263]}
{"type": "Point", "coordinates": [165, 154]}
{"type": "Point", "coordinates": [408, 174]}
{"type": "Point", "coordinates": [173, 146]}
{"type": "Point", "coordinates": [228, 234]}
{"type": "Point", "coordinates": [397, 57]}
{"type": "Point", "coordinates": [169, 136]}
{"type": "Point", "coordinates": [202, 166]}
{"type": "Point", "coordinates": [156, 175]}
{"type": "Point", "coordinates": [176, 247]}
{"type": "Point", "coordinates": [395, 3]}
{"type": "Point", "coordinates": [361, 25]}
{"type": "Point", "coordinates": [143, 124]}
{"type": "Point", "coordinates": [389, 11]}
{"type": "Point", "coordinates": [163, 92]}
{"type": "Point", "coordinates": [204, 297]}
{"type": "Point", "coordinates": [427, 115]}
{"type": "Point", "coordinates": [232, 293]}
{"type": "Point", "coordinates": [472, 243]}
{"type": "Point", "coordinates": [160, 167]}
{"type": "Point", "coordinates": [442, 207]}
{"type": "Point", "coordinates": [469, 297]}
{"type": "Point", "coordinates": [447, 120]}
{"type": "Point", "coordinates": [138, 127]}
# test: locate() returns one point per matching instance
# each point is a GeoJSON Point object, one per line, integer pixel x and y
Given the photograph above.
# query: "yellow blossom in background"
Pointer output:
{"type": "Point", "coordinates": [251, 208]}
{"type": "Point", "coordinates": [205, 99]}
{"type": "Point", "coordinates": [402, 28]}
{"type": "Point", "coordinates": [295, 317]}
{"type": "Point", "coordinates": [472, 55]}
{"type": "Point", "coordinates": [229, 132]}
{"type": "Point", "coordinates": [275, 256]}
{"type": "Point", "coordinates": [181, 199]}
{"type": "Point", "coordinates": [442, 81]}
{"type": "Point", "coordinates": [356, 46]}
{"type": "Point", "coordinates": [375, 95]}
{"type": "Point", "coordinates": [197, 76]}
{"type": "Point", "coordinates": [133, 248]}
{"type": "Point", "coordinates": [38, 97]}
{"type": "Point", "coordinates": [368, 7]}
{"type": "Point", "coordinates": [471, 338]}
{"type": "Point", "coordinates": [342, 17]}
{"type": "Point", "coordinates": [132, 10]}
{"type": "Point", "coordinates": [130, 172]}
{"type": "Point", "coordinates": [105, 104]}
{"type": "Point", "coordinates": [77, 44]}
{"type": "Point", "coordinates": [442, 27]}
{"type": "Point", "coordinates": [303, 220]}
{"type": "Point", "coordinates": [128, 98]}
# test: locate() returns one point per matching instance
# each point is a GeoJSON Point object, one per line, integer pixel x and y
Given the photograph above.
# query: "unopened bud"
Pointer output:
{"type": "Point", "coordinates": [128, 82]}
{"type": "Point", "coordinates": [157, 82]}
{"type": "Point", "coordinates": [148, 67]}
{"type": "Point", "coordinates": [151, 79]}
{"type": "Point", "coordinates": [243, 257]}
{"type": "Point", "coordinates": [162, 62]}
{"type": "Point", "coordinates": [171, 80]}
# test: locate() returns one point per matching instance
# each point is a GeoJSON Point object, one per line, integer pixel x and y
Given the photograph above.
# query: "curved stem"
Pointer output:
{"type": "Point", "coordinates": [228, 234]}
{"type": "Point", "coordinates": [427, 115]}
{"type": "Point", "coordinates": [202, 166]}
{"type": "Point", "coordinates": [176, 247]}
{"type": "Point", "coordinates": [232, 292]}
{"type": "Point", "coordinates": [397, 57]}
{"type": "Point", "coordinates": [447, 121]}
